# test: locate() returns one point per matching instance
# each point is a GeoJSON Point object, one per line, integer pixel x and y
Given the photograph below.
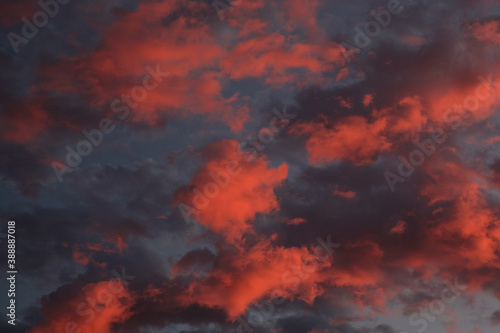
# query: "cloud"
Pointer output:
{"type": "Point", "coordinates": [399, 228]}
{"type": "Point", "coordinates": [351, 139]}
{"type": "Point", "coordinates": [96, 309]}
{"type": "Point", "coordinates": [258, 217]}
{"type": "Point", "coordinates": [487, 31]}
{"type": "Point", "coordinates": [230, 189]}
{"type": "Point", "coordinates": [244, 277]}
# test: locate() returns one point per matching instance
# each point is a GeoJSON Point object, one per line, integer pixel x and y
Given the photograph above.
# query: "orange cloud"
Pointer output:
{"type": "Point", "coordinates": [296, 221]}
{"type": "Point", "coordinates": [464, 233]}
{"type": "Point", "coordinates": [275, 59]}
{"type": "Point", "coordinates": [244, 277]}
{"type": "Point", "coordinates": [464, 101]}
{"type": "Point", "coordinates": [407, 118]}
{"type": "Point", "coordinates": [470, 220]}
{"type": "Point", "coordinates": [352, 139]}
{"type": "Point", "coordinates": [94, 310]}
{"type": "Point", "coordinates": [303, 13]}
{"type": "Point", "coordinates": [229, 189]}
{"type": "Point", "coordinates": [399, 228]}
{"type": "Point", "coordinates": [487, 31]}
{"type": "Point", "coordinates": [367, 99]}
{"type": "Point", "coordinates": [344, 194]}
{"type": "Point", "coordinates": [193, 85]}
{"type": "Point", "coordinates": [81, 257]}
{"type": "Point", "coordinates": [413, 40]}
{"type": "Point", "coordinates": [82, 254]}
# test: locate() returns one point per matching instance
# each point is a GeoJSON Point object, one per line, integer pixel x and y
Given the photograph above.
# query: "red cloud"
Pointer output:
{"type": "Point", "coordinates": [399, 228]}
{"type": "Point", "coordinates": [296, 221]}
{"type": "Point", "coordinates": [463, 101]}
{"type": "Point", "coordinates": [468, 221]}
{"type": "Point", "coordinates": [244, 277]}
{"type": "Point", "coordinates": [368, 99]}
{"type": "Point", "coordinates": [196, 79]}
{"type": "Point", "coordinates": [193, 85]}
{"type": "Point", "coordinates": [344, 194]}
{"type": "Point", "coordinates": [94, 310]}
{"type": "Point", "coordinates": [413, 40]}
{"type": "Point", "coordinates": [407, 118]}
{"type": "Point", "coordinates": [274, 58]}
{"type": "Point", "coordinates": [24, 123]}
{"type": "Point", "coordinates": [83, 254]}
{"type": "Point", "coordinates": [352, 139]}
{"type": "Point", "coordinates": [229, 189]}
{"type": "Point", "coordinates": [487, 31]}
{"type": "Point", "coordinates": [303, 14]}
{"type": "Point", "coordinates": [240, 278]}
{"type": "Point", "coordinates": [463, 233]}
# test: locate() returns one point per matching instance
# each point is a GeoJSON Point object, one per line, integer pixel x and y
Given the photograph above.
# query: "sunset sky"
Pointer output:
{"type": "Point", "coordinates": [278, 166]}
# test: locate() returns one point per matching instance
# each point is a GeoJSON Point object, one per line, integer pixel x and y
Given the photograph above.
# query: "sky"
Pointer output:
{"type": "Point", "coordinates": [295, 166]}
